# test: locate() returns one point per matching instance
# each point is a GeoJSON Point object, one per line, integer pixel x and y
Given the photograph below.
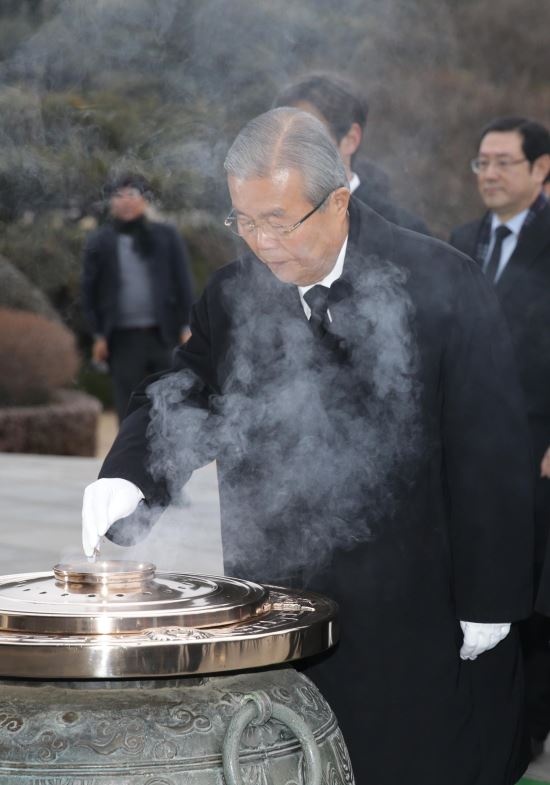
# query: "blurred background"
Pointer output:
{"type": "Point", "coordinates": [89, 87]}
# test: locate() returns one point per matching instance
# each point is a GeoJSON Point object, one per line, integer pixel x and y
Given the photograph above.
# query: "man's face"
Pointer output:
{"type": "Point", "coordinates": [512, 186]}
{"type": "Point", "coordinates": [127, 204]}
{"type": "Point", "coordinates": [307, 254]}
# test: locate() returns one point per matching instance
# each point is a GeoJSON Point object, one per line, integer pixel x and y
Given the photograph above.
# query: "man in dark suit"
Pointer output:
{"type": "Point", "coordinates": [511, 243]}
{"type": "Point", "coordinates": [136, 289]}
{"type": "Point", "coordinates": [339, 105]}
{"type": "Point", "coordinates": [367, 447]}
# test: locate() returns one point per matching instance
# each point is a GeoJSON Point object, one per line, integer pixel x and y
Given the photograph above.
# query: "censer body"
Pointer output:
{"type": "Point", "coordinates": [113, 673]}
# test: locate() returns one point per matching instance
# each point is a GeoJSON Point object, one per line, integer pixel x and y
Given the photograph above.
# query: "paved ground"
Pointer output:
{"type": "Point", "coordinates": [41, 498]}
{"type": "Point", "coordinates": [40, 501]}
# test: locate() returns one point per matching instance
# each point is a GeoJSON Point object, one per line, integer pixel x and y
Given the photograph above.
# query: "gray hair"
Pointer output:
{"type": "Point", "coordinates": [287, 138]}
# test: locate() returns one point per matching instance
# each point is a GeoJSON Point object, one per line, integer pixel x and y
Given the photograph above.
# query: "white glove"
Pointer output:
{"type": "Point", "coordinates": [105, 501]}
{"type": "Point", "coordinates": [480, 637]}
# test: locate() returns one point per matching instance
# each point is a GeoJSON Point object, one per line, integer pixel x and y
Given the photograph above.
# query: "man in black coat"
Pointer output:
{"type": "Point", "coordinates": [338, 104]}
{"type": "Point", "coordinates": [512, 164]}
{"type": "Point", "coordinates": [136, 289]}
{"type": "Point", "coordinates": [367, 446]}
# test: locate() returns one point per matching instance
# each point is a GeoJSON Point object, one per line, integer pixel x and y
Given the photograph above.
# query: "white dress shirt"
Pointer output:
{"type": "Point", "coordinates": [327, 281]}
{"type": "Point", "coordinates": [509, 243]}
{"type": "Point", "coordinates": [354, 183]}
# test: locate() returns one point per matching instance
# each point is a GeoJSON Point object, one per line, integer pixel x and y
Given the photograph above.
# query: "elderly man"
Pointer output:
{"type": "Point", "coordinates": [511, 243]}
{"type": "Point", "coordinates": [367, 446]}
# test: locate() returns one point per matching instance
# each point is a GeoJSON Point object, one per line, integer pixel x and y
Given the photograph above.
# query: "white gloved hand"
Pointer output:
{"type": "Point", "coordinates": [480, 637]}
{"type": "Point", "coordinates": [106, 501]}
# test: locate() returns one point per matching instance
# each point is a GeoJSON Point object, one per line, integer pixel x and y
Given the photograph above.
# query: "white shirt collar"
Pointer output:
{"type": "Point", "coordinates": [354, 183]}
{"type": "Point", "coordinates": [514, 224]}
{"type": "Point", "coordinates": [328, 280]}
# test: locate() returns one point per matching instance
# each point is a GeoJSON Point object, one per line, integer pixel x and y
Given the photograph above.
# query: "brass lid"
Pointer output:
{"type": "Point", "coordinates": [118, 619]}
{"type": "Point", "coordinates": [120, 597]}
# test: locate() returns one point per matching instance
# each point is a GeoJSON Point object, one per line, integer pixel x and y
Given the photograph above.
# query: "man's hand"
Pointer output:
{"type": "Point", "coordinates": [106, 501]}
{"type": "Point", "coordinates": [100, 350]}
{"type": "Point", "coordinates": [480, 637]}
{"type": "Point", "coordinates": [545, 464]}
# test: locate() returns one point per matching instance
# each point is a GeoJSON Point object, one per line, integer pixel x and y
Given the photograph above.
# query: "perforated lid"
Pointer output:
{"type": "Point", "coordinates": [113, 619]}
{"type": "Point", "coordinates": [120, 597]}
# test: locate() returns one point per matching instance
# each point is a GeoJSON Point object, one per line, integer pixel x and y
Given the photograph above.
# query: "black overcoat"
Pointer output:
{"type": "Point", "coordinates": [171, 280]}
{"type": "Point", "coordinates": [523, 291]}
{"type": "Point", "coordinates": [387, 465]}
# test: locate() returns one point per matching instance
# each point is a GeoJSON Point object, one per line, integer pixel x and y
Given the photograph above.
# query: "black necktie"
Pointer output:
{"type": "Point", "coordinates": [491, 268]}
{"type": "Point", "coordinates": [317, 299]}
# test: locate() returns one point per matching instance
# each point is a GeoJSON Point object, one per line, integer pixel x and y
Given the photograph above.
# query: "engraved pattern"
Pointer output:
{"type": "Point", "coordinates": [331, 776]}
{"type": "Point", "coordinates": [110, 738]}
{"type": "Point", "coordinates": [262, 625]}
{"type": "Point", "coordinates": [165, 750]}
{"type": "Point", "coordinates": [279, 598]}
{"type": "Point", "coordinates": [254, 736]}
{"type": "Point", "coordinates": [254, 775]}
{"type": "Point", "coordinates": [314, 703]}
{"type": "Point", "coordinates": [9, 721]}
{"type": "Point", "coordinates": [281, 694]}
{"type": "Point", "coordinates": [182, 720]}
{"type": "Point", "coordinates": [343, 759]}
{"type": "Point", "coordinates": [292, 606]}
{"type": "Point", "coordinates": [177, 634]}
{"type": "Point", "coordinates": [61, 781]}
{"type": "Point", "coordinates": [47, 746]}
{"type": "Point", "coordinates": [141, 733]}
{"type": "Point", "coordinates": [264, 736]}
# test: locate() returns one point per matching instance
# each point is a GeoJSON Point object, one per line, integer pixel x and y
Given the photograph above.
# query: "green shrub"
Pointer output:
{"type": "Point", "coordinates": [96, 383]}
{"type": "Point", "coordinates": [16, 291]}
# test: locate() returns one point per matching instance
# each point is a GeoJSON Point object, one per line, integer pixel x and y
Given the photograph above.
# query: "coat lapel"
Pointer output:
{"type": "Point", "coordinates": [533, 240]}
{"type": "Point", "coordinates": [466, 238]}
{"type": "Point", "coordinates": [110, 251]}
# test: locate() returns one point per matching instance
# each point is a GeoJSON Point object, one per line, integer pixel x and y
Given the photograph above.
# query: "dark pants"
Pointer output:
{"type": "Point", "coordinates": [535, 639]}
{"type": "Point", "coordinates": [133, 355]}
{"type": "Point", "coordinates": [535, 632]}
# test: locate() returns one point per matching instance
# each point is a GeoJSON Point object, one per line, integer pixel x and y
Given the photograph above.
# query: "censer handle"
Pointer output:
{"type": "Point", "coordinates": [257, 709]}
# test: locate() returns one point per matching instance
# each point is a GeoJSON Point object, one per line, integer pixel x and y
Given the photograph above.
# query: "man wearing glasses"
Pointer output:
{"type": "Point", "coordinates": [333, 374]}
{"type": "Point", "coordinates": [512, 244]}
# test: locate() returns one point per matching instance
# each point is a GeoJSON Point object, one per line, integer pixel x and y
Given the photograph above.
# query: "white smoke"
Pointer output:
{"type": "Point", "coordinates": [337, 437]}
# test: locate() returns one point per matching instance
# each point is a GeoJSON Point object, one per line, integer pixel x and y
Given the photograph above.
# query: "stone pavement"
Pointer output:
{"type": "Point", "coordinates": [40, 502]}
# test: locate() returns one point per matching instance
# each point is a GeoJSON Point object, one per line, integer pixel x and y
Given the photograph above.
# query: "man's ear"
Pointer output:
{"type": "Point", "coordinates": [349, 144]}
{"type": "Point", "coordinates": [340, 198]}
{"type": "Point", "coordinates": [541, 167]}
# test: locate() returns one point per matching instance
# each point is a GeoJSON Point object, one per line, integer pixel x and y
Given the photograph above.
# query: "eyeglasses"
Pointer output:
{"type": "Point", "coordinates": [243, 226]}
{"type": "Point", "coordinates": [480, 165]}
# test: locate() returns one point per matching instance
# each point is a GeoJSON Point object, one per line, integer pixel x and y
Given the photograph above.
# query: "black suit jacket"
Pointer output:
{"type": "Point", "coordinates": [170, 279]}
{"type": "Point", "coordinates": [363, 465]}
{"type": "Point", "coordinates": [382, 204]}
{"type": "Point", "coordinates": [524, 294]}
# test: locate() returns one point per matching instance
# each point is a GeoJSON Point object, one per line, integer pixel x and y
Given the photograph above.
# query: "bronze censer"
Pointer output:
{"type": "Point", "coordinates": [114, 674]}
